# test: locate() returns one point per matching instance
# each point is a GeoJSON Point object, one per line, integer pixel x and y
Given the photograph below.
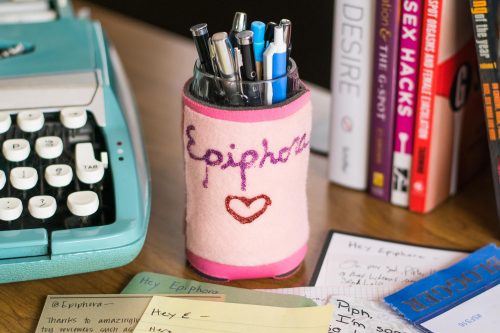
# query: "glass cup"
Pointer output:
{"type": "Point", "coordinates": [231, 92]}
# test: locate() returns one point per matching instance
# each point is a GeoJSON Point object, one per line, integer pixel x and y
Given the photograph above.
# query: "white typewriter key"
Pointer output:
{"type": "Point", "coordinates": [23, 178]}
{"type": "Point", "coordinates": [5, 122]}
{"type": "Point", "coordinates": [10, 209]}
{"type": "Point", "coordinates": [73, 117]}
{"type": "Point", "coordinates": [3, 179]}
{"type": "Point", "coordinates": [83, 203]}
{"type": "Point", "coordinates": [42, 206]}
{"type": "Point", "coordinates": [49, 147]}
{"type": "Point", "coordinates": [16, 150]}
{"type": "Point", "coordinates": [30, 121]}
{"type": "Point", "coordinates": [88, 169]}
{"type": "Point", "coordinates": [58, 175]}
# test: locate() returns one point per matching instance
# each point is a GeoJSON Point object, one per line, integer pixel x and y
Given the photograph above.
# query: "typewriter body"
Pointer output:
{"type": "Point", "coordinates": [74, 178]}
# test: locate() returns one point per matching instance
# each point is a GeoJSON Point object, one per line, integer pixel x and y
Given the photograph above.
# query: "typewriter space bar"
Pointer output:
{"type": "Point", "coordinates": [23, 243]}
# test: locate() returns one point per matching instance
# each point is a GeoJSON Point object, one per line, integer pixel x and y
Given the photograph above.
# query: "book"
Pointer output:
{"type": "Point", "coordinates": [383, 97]}
{"type": "Point", "coordinates": [352, 69]}
{"type": "Point", "coordinates": [448, 97]}
{"type": "Point", "coordinates": [409, 56]}
{"type": "Point", "coordinates": [484, 19]}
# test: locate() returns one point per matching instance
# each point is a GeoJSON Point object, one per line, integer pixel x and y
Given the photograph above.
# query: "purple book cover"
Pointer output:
{"type": "Point", "coordinates": [406, 99]}
{"type": "Point", "coordinates": [384, 96]}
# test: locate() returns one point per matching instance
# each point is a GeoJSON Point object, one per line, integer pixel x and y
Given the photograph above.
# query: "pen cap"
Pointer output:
{"type": "Point", "coordinates": [269, 34]}
{"type": "Point", "coordinates": [223, 54]}
{"type": "Point", "coordinates": [287, 30]}
{"type": "Point", "coordinates": [239, 22]}
{"type": "Point", "coordinates": [245, 37]}
{"type": "Point", "coordinates": [199, 29]}
{"type": "Point", "coordinates": [259, 29]}
{"type": "Point", "coordinates": [278, 36]}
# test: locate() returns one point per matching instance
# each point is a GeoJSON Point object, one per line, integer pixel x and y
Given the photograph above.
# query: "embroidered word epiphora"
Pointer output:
{"type": "Point", "coordinates": [251, 158]}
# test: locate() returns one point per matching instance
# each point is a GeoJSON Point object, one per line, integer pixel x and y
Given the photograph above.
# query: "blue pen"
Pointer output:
{"type": "Point", "coordinates": [275, 68]}
{"type": "Point", "coordinates": [258, 29]}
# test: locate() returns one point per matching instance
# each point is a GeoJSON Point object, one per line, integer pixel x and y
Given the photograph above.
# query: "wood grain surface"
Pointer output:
{"type": "Point", "coordinates": [157, 64]}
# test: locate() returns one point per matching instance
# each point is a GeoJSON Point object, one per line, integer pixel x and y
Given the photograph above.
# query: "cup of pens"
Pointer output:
{"type": "Point", "coordinates": [246, 129]}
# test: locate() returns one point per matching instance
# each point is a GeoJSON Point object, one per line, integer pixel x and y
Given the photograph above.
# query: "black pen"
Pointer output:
{"type": "Point", "coordinates": [245, 44]}
{"type": "Point", "coordinates": [287, 35]}
{"type": "Point", "coordinates": [200, 37]}
{"type": "Point", "coordinates": [249, 69]}
{"type": "Point", "coordinates": [239, 24]}
{"type": "Point", "coordinates": [269, 35]}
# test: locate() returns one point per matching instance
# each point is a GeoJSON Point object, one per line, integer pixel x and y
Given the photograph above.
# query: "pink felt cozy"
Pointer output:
{"type": "Point", "coordinates": [246, 171]}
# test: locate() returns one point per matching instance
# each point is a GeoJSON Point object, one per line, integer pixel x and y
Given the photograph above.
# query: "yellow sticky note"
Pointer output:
{"type": "Point", "coordinates": [169, 315]}
{"type": "Point", "coordinates": [98, 313]}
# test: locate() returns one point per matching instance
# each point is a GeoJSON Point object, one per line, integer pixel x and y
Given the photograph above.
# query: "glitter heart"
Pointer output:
{"type": "Point", "coordinates": [247, 202]}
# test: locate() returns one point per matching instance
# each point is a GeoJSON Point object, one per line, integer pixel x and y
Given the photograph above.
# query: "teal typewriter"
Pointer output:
{"type": "Point", "coordinates": [74, 178]}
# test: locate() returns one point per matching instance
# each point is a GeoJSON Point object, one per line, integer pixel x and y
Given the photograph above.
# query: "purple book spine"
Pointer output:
{"type": "Point", "coordinates": [384, 96]}
{"type": "Point", "coordinates": [406, 99]}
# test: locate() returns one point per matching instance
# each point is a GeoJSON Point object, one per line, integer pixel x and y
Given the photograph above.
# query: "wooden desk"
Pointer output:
{"type": "Point", "coordinates": [157, 64]}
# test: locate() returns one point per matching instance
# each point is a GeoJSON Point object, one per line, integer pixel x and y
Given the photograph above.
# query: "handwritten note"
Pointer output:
{"type": "Point", "coordinates": [153, 283]}
{"type": "Point", "coordinates": [170, 315]}
{"type": "Point", "coordinates": [98, 313]}
{"type": "Point", "coordinates": [353, 314]}
{"type": "Point", "coordinates": [354, 260]}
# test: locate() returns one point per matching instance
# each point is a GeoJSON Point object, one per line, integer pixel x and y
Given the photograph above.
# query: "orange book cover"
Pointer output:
{"type": "Point", "coordinates": [450, 145]}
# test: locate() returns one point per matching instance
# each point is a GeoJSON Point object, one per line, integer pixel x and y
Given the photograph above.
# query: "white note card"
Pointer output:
{"type": "Point", "coordinates": [351, 313]}
{"type": "Point", "coordinates": [354, 260]}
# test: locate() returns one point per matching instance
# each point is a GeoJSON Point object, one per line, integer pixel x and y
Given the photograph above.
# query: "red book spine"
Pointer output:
{"type": "Point", "coordinates": [425, 103]}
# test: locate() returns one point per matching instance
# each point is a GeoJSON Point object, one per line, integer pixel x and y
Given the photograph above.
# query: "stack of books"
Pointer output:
{"type": "Point", "coordinates": [407, 119]}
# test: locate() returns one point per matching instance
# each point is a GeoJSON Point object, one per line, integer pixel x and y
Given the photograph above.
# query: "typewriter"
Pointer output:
{"type": "Point", "coordinates": [74, 178]}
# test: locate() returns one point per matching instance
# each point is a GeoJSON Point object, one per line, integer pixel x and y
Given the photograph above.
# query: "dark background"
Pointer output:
{"type": "Point", "coordinates": [311, 31]}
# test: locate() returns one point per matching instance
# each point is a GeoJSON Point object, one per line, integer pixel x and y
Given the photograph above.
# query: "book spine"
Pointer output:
{"type": "Point", "coordinates": [485, 25]}
{"type": "Point", "coordinates": [409, 55]}
{"type": "Point", "coordinates": [351, 92]}
{"type": "Point", "coordinates": [425, 104]}
{"type": "Point", "coordinates": [384, 93]}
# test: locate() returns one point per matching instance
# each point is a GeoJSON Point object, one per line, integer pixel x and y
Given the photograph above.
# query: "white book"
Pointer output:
{"type": "Point", "coordinates": [352, 72]}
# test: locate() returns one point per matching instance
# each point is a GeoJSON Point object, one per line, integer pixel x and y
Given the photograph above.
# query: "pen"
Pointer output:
{"type": "Point", "coordinates": [225, 65]}
{"type": "Point", "coordinates": [238, 65]}
{"type": "Point", "coordinates": [275, 68]}
{"type": "Point", "coordinates": [200, 37]}
{"type": "Point", "coordinates": [287, 36]}
{"type": "Point", "coordinates": [248, 69]}
{"type": "Point", "coordinates": [239, 24]}
{"type": "Point", "coordinates": [218, 88]}
{"type": "Point", "coordinates": [269, 34]}
{"type": "Point", "coordinates": [245, 44]}
{"type": "Point", "coordinates": [213, 61]}
{"type": "Point", "coordinates": [258, 29]}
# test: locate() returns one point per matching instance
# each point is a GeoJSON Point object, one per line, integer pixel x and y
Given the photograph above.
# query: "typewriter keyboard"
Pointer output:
{"type": "Point", "coordinates": [54, 171]}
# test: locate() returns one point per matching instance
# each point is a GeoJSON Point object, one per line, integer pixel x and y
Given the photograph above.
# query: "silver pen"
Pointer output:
{"type": "Point", "coordinates": [287, 36]}
{"type": "Point", "coordinates": [239, 24]}
{"type": "Point", "coordinates": [238, 63]}
{"type": "Point", "coordinates": [225, 64]}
